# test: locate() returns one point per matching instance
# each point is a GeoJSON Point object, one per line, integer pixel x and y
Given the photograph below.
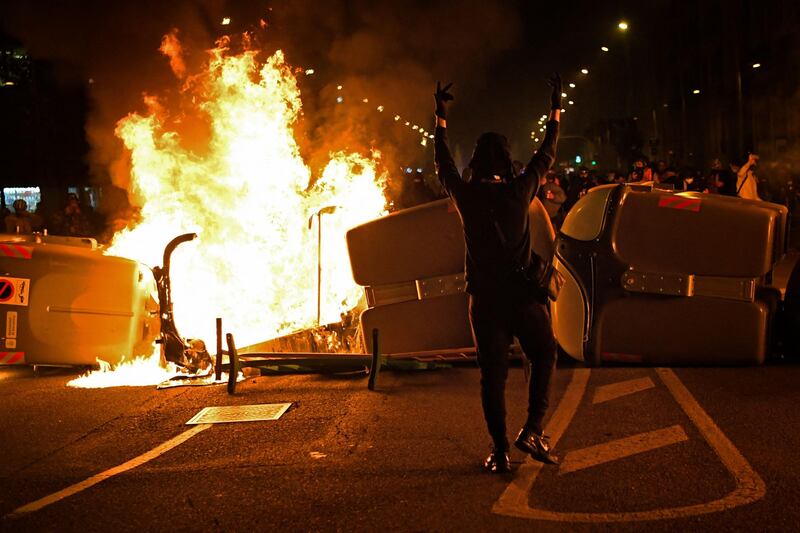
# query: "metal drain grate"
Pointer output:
{"type": "Point", "coordinates": [239, 413]}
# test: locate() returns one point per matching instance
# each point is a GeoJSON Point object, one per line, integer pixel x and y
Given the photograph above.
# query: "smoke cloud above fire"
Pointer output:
{"type": "Point", "coordinates": [389, 53]}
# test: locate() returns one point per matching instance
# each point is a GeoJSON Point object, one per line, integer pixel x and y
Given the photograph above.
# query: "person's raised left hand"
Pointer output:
{"type": "Point", "coordinates": [442, 97]}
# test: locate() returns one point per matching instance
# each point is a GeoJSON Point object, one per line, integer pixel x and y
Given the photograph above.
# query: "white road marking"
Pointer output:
{"type": "Point", "coordinates": [102, 476]}
{"type": "Point", "coordinates": [515, 498]}
{"type": "Point", "coordinates": [623, 388]}
{"type": "Point", "coordinates": [749, 486]}
{"type": "Point", "coordinates": [621, 448]}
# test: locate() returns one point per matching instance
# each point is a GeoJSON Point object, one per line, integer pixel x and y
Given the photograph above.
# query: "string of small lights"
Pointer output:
{"type": "Point", "coordinates": [577, 75]}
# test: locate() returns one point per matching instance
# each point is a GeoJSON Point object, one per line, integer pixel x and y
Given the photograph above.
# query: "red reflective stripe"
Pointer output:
{"type": "Point", "coordinates": [12, 358]}
{"type": "Point", "coordinates": [621, 357]}
{"type": "Point", "coordinates": [24, 251]}
{"type": "Point", "coordinates": [667, 201]}
{"type": "Point", "coordinates": [679, 202]}
{"type": "Point", "coordinates": [20, 252]}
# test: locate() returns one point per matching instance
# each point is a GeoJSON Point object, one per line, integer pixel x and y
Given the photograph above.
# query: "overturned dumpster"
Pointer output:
{"type": "Point", "coordinates": [64, 303]}
{"type": "Point", "coordinates": [652, 277]}
{"type": "Point", "coordinates": [662, 278]}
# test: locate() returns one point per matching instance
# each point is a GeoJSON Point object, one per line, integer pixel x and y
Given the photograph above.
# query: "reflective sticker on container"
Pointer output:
{"type": "Point", "coordinates": [681, 202]}
{"type": "Point", "coordinates": [12, 358]}
{"type": "Point", "coordinates": [16, 250]}
{"type": "Point", "coordinates": [11, 326]}
{"type": "Point", "coordinates": [11, 344]}
{"type": "Point", "coordinates": [14, 291]}
{"type": "Point", "coordinates": [612, 357]}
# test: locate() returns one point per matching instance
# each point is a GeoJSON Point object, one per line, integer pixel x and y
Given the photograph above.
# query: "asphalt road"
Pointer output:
{"type": "Point", "coordinates": [642, 448]}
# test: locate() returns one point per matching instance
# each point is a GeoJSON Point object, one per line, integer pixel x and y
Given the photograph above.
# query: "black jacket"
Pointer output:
{"type": "Point", "coordinates": [494, 215]}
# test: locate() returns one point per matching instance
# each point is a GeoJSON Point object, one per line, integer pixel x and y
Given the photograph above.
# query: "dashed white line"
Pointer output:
{"type": "Point", "coordinates": [621, 448]}
{"type": "Point", "coordinates": [623, 388]}
{"type": "Point", "coordinates": [749, 486]}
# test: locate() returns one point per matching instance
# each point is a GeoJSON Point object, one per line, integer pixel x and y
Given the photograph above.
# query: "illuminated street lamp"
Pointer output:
{"type": "Point", "coordinates": [584, 71]}
{"type": "Point", "coordinates": [226, 21]}
{"type": "Point", "coordinates": [623, 26]}
{"type": "Point", "coordinates": [696, 91]}
{"type": "Point", "coordinates": [571, 85]}
{"type": "Point", "coordinates": [756, 65]}
{"type": "Point", "coordinates": [604, 48]}
{"type": "Point", "coordinates": [324, 211]}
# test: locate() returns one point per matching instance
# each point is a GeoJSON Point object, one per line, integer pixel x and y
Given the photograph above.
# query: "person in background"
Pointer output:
{"type": "Point", "coordinates": [578, 187]}
{"type": "Point", "coordinates": [721, 179]}
{"type": "Point", "coordinates": [495, 211]}
{"type": "Point", "coordinates": [747, 182]}
{"type": "Point", "coordinates": [553, 198]}
{"type": "Point", "coordinates": [72, 220]}
{"type": "Point", "coordinates": [21, 220]}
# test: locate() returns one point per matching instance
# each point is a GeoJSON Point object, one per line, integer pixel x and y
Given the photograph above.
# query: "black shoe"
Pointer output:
{"type": "Point", "coordinates": [498, 462]}
{"type": "Point", "coordinates": [538, 446]}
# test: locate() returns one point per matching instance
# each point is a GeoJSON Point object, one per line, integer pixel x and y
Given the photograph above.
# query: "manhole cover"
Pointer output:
{"type": "Point", "coordinates": [240, 413]}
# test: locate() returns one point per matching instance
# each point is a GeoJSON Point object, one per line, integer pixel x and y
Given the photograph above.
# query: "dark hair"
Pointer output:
{"type": "Point", "coordinates": [492, 156]}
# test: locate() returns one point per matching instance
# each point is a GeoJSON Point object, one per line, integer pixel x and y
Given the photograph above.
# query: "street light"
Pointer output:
{"type": "Point", "coordinates": [584, 71]}
{"type": "Point", "coordinates": [623, 26]}
{"type": "Point", "coordinates": [571, 85]}
{"type": "Point", "coordinates": [696, 91]}
{"type": "Point", "coordinates": [324, 211]}
{"type": "Point", "coordinates": [756, 65]}
{"type": "Point", "coordinates": [604, 48]}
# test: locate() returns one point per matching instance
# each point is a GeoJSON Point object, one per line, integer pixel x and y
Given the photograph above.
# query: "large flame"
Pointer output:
{"type": "Point", "coordinates": [251, 199]}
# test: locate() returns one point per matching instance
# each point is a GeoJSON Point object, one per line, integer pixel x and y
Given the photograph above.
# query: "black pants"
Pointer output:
{"type": "Point", "coordinates": [495, 320]}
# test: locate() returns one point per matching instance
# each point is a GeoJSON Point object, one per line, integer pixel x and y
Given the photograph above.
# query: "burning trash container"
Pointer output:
{"type": "Point", "coordinates": [63, 302]}
{"type": "Point", "coordinates": [661, 278]}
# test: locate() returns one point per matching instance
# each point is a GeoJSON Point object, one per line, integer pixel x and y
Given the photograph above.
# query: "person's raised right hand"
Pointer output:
{"type": "Point", "coordinates": [555, 97]}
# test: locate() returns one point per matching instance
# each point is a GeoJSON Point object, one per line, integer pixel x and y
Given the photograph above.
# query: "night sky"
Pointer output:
{"type": "Point", "coordinates": [498, 54]}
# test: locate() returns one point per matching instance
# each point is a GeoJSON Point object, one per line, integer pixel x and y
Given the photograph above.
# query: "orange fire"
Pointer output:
{"type": "Point", "coordinates": [251, 199]}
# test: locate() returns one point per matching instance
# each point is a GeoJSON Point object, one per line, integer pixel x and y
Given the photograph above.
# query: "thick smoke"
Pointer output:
{"type": "Point", "coordinates": [389, 53]}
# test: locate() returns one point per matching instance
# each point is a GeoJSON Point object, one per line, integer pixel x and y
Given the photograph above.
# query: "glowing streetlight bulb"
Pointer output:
{"type": "Point", "coordinates": [226, 21]}
{"type": "Point", "coordinates": [338, 87]}
{"type": "Point", "coordinates": [563, 95]}
{"type": "Point", "coordinates": [604, 48]}
{"type": "Point", "coordinates": [696, 91]}
{"type": "Point", "coordinates": [571, 85]}
{"type": "Point", "coordinates": [584, 71]}
{"type": "Point", "coordinates": [756, 65]}
{"type": "Point", "coordinates": [309, 71]}
{"type": "Point", "coordinates": [622, 25]}
{"type": "Point", "coordinates": [570, 102]}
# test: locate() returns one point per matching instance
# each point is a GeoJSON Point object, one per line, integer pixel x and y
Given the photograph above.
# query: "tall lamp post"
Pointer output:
{"type": "Point", "coordinates": [324, 211]}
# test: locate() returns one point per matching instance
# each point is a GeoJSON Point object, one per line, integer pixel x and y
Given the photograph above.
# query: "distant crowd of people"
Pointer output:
{"type": "Point", "coordinates": [74, 219]}
{"type": "Point", "coordinates": [561, 189]}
